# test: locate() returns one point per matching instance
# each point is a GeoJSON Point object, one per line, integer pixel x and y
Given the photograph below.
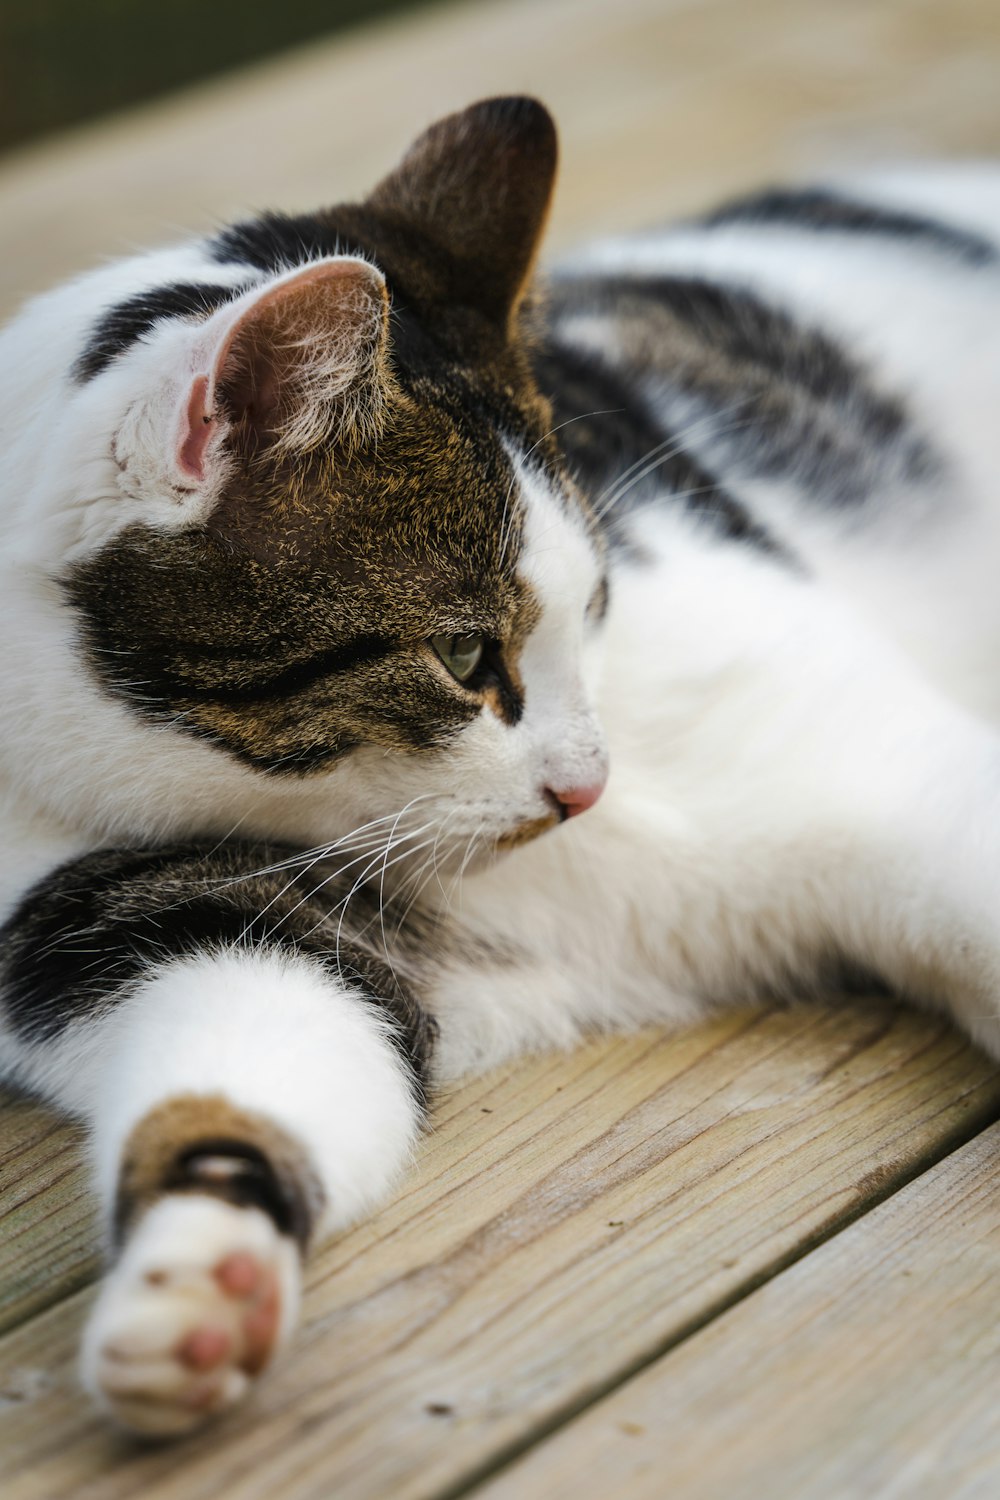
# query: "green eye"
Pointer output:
{"type": "Point", "coordinates": [461, 654]}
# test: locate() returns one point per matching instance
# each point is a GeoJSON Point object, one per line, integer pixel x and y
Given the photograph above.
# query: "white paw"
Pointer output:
{"type": "Point", "coordinates": [202, 1298]}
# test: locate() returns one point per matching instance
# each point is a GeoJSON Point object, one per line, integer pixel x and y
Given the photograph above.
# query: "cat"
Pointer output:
{"type": "Point", "coordinates": [412, 662]}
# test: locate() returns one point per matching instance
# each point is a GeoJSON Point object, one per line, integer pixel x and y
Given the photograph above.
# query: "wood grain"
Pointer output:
{"type": "Point", "coordinates": [568, 1221]}
{"type": "Point", "coordinates": [868, 1369]}
{"type": "Point", "coordinates": [47, 1223]}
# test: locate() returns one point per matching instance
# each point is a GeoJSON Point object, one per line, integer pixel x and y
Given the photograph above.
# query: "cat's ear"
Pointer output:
{"type": "Point", "coordinates": [479, 184]}
{"type": "Point", "coordinates": [289, 367]}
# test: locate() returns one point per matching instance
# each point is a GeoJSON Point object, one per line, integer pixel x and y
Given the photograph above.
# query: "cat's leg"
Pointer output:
{"type": "Point", "coordinates": [246, 1094]}
{"type": "Point", "coordinates": [252, 1103]}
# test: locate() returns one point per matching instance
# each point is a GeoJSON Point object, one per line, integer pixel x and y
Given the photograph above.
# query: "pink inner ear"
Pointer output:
{"type": "Point", "coordinates": [197, 430]}
{"type": "Point", "coordinates": [258, 352]}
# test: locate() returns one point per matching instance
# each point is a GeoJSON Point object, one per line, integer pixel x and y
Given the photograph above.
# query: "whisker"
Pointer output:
{"type": "Point", "coordinates": [381, 901]}
{"type": "Point", "coordinates": [302, 868]}
{"type": "Point", "coordinates": [429, 870]}
{"type": "Point", "coordinates": [520, 463]}
{"type": "Point", "coordinates": [345, 903]}
{"type": "Point", "coordinates": [319, 850]}
{"type": "Point", "coordinates": [381, 852]}
{"type": "Point", "coordinates": [661, 453]}
{"type": "Point", "coordinates": [473, 841]}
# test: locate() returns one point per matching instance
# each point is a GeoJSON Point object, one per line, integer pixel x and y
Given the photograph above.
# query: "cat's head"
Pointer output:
{"type": "Point", "coordinates": [348, 553]}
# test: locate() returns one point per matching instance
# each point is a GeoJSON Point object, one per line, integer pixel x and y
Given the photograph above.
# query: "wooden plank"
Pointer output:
{"type": "Point", "coordinates": [47, 1222]}
{"type": "Point", "coordinates": [868, 1369]}
{"type": "Point", "coordinates": [662, 104]}
{"type": "Point", "coordinates": [568, 1220]}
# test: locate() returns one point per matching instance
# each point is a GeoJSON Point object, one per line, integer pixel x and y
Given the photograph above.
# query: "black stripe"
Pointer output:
{"type": "Point", "coordinates": [278, 242]}
{"type": "Point", "coordinates": [124, 325]}
{"type": "Point", "coordinates": [168, 686]}
{"type": "Point", "coordinates": [303, 761]}
{"type": "Point", "coordinates": [94, 926]}
{"type": "Point", "coordinates": [809, 412]}
{"type": "Point", "coordinates": [165, 697]}
{"type": "Point", "coordinates": [137, 661]}
{"type": "Point", "coordinates": [250, 1182]}
{"type": "Point", "coordinates": [606, 427]}
{"type": "Point", "coordinates": [492, 674]}
{"type": "Point", "coordinates": [799, 378]}
{"type": "Point", "coordinates": [821, 210]}
{"type": "Point", "coordinates": [739, 325]}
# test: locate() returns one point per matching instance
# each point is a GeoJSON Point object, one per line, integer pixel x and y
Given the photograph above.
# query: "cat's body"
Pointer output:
{"type": "Point", "coordinates": [772, 612]}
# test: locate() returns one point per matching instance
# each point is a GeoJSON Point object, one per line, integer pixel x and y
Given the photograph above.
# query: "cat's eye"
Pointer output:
{"type": "Point", "coordinates": [461, 654]}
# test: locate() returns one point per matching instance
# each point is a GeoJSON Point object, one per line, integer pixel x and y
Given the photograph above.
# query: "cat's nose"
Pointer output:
{"type": "Point", "coordinates": [576, 799]}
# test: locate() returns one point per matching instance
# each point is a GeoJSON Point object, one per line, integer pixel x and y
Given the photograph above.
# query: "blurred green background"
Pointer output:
{"type": "Point", "coordinates": [63, 61]}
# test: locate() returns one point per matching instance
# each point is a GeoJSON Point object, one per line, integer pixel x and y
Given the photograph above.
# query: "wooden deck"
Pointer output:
{"type": "Point", "coordinates": [756, 1260]}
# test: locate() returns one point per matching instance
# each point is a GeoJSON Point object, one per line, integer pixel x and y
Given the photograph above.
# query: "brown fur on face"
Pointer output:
{"type": "Point", "coordinates": [527, 831]}
{"type": "Point", "coordinates": [293, 626]}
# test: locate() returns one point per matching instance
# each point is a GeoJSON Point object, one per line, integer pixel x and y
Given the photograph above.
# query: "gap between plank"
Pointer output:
{"type": "Point", "coordinates": [892, 1184]}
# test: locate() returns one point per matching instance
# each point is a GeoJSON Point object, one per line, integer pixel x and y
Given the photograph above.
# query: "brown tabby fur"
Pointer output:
{"type": "Point", "coordinates": [188, 1121]}
{"type": "Point", "coordinates": [294, 624]}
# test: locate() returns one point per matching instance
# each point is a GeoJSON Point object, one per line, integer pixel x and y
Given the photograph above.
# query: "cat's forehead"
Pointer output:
{"type": "Point", "coordinates": [447, 523]}
{"type": "Point", "coordinates": [434, 515]}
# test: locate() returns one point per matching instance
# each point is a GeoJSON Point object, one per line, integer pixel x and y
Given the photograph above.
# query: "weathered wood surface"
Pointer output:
{"type": "Point", "coordinates": [868, 1369]}
{"type": "Point", "coordinates": [662, 105]}
{"type": "Point", "coordinates": [48, 1232]}
{"type": "Point", "coordinates": [569, 1220]}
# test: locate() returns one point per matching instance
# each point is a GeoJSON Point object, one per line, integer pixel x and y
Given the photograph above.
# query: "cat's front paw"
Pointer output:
{"type": "Point", "coordinates": [202, 1298]}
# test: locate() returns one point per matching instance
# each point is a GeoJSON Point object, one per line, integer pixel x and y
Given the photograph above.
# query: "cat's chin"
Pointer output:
{"type": "Point", "coordinates": [525, 833]}
{"type": "Point", "coordinates": [487, 854]}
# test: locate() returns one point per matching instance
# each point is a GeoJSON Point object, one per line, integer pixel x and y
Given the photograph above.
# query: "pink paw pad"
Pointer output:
{"type": "Point", "coordinates": [249, 1347]}
{"type": "Point", "coordinates": [205, 1348]}
{"type": "Point", "coordinates": [239, 1274]}
{"type": "Point", "coordinates": [242, 1277]}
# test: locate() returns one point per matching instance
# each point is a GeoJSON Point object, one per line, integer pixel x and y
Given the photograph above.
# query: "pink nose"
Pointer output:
{"type": "Point", "coordinates": [577, 798]}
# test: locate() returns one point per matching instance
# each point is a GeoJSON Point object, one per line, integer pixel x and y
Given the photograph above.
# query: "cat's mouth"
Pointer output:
{"type": "Point", "coordinates": [525, 832]}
